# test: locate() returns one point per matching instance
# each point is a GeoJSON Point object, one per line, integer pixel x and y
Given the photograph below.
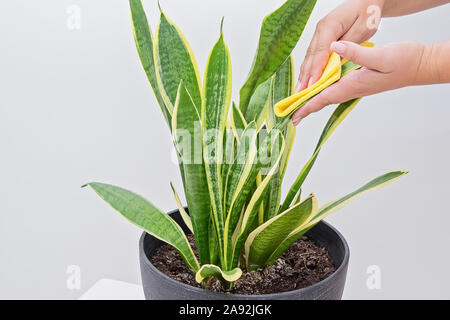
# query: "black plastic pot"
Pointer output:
{"type": "Point", "coordinates": [158, 286]}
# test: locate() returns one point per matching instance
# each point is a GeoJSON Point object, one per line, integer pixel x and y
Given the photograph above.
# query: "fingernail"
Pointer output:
{"type": "Point", "coordinates": [297, 121]}
{"type": "Point", "coordinates": [338, 47]}
{"type": "Point", "coordinates": [298, 86]}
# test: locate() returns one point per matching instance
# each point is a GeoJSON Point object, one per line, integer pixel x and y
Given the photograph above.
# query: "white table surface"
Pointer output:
{"type": "Point", "coordinates": [109, 289]}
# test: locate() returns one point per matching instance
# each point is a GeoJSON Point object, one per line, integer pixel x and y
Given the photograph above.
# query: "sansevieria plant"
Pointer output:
{"type": "Point", "coordinates": [232, 157]}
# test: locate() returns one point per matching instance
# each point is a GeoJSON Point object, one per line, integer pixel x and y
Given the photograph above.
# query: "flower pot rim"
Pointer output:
{"type": "Point", "coordinates": [188, 287]}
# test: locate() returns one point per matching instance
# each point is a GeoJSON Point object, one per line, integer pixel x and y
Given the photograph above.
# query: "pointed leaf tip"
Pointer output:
{"type": "Point", "coordinates": [159, 6]}
{"type": "Point", "coordinates": [151, 219]}
{"type": "Point", "coordinates": [221, 24]}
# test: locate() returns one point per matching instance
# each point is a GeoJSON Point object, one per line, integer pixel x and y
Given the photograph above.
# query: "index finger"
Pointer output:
{"type": "Point", "coordinates": [329, 29]}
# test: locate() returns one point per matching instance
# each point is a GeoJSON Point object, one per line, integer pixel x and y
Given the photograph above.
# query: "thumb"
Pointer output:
{"type": "Point", "coordinates": [337, 93]}
{"type": "Point", "coordinates": [370, 58]}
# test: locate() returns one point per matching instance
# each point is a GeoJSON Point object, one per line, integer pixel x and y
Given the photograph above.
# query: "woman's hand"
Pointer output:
{"type": "Point", "coordinates": [354, 20]}
{"type": "Point", "coordinates": [389, 67]}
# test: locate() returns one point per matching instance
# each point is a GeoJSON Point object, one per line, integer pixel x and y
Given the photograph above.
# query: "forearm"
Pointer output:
{"type": "Point", "coordinates": [394, 8]}
{"type": "Point", "coordinates": [434, 66]}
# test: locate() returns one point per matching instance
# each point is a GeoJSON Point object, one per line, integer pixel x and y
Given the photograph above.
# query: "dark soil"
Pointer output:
{"type": "Point", "coordinates": [303, 264]}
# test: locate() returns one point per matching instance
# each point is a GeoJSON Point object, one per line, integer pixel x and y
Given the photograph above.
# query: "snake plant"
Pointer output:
{"type": "Point", "coordinates": [232, 157]}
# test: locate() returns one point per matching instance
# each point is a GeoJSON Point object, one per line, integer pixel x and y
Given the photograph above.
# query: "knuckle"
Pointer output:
{"type": "Point", "coordinates": [327, 27]}
{"type": "Point", "coordinates": [322, 24]}
{"type": "Point", "coordinates": [353, 55]}
{"type": "Point", "coordinates": [340, 28]}
{"type": "Point", "coordinates": [317, 49]}
{"type": "Point", "coordinates": [356, 87]}
{"type": "Point", "coordinates": [306, 111]}
{"type": "Point", "coordinates": [322, 101]}
{"type": "Point", "coordinates": [323, 47]}
{"type": "Point", "coordinates": [332, 25]}
{"type": "Point", "coordinates": [303, 68]}
{"type": "Point", "coordinates": [310, 51]}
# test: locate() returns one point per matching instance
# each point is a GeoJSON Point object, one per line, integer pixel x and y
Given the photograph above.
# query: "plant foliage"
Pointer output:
{"type": "Point", "coordinates": [232, 157]}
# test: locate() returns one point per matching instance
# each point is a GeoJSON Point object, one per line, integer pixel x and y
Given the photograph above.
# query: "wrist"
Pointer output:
{"type": "Point", "coordinates": [427, 72]}
{"type": "Point", "coordinates": [395, 8]}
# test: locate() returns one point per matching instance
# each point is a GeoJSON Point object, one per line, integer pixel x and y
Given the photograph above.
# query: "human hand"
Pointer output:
{"type": "Point", "coordinates": [386, 68]}
{"type": "Point", "coordinates": [354, 20]}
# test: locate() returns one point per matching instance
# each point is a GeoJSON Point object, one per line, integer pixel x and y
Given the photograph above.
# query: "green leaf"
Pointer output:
{"type": "Point", "coordinates": [333, 206]}
{"type": "Point", "coordinates": [290, 134]}
{"type": "Point", "coordinates": [145, 215]}
{"type": "Point", "coordinates": [259, 103]}
{"type": "Point", "coordinates": [261, 243]}
{"type": "Point", "coordinates": [213, 244]}
{"type": "Point", "coordinates": [298, 197]}
{"type": "Point", "coordinates": [283, 87]}
{"type": "Point", "coordinates": [280, 32]}
{"type": "Point", "coordinates": [144, 44]}
{"type": "Point", "coordinates": [238, 122]}
{"type": "Point", "coordinates": [275, 142]}
{"type": "Point", "coordinates": [272, 202]}
{"type": "Point", "coordinates": [211, 270]}
{"type": "Point", "coordinates": [374, 184]}
{"type": "Point", "coordinates": [277, 87]}
{"type": "Point", "coordinates": [186, 133]}
{"type": "Point", "coordinates": [242, 166]}
{"type": "Point", "coordinates": [184, 215]}
{"type": "Point", "coordinates": [284, 81]}
{"type": "Point", "coordinates": [287, 243]}
{"type": "Point", "coordinates": [336, 118]}
{"type": "Point", "coordinates": [217, 93]}
{"type": "Point", "coordinates": [175, 62]}
{"type": "Point", "coordinates": [239, 182]}
{"type": "Point", "coordinates": [230, 144]}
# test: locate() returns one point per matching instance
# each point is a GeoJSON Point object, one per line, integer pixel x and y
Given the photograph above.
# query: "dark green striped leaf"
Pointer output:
{"type": "Point", "coordinates": [145, 215]}
{"type": "Point", "coordinates": [217, 93]}
{"type": "Point", "coordinates": [283, 86]}
{"type": "Point", "coordinates": [275, 143]}
{"type": "Point", "coordinates": [144, 44]}
{"type": "Point", "coordinates": [238, 122]}
{"type": "Point", "coordinates": [336, 118]}
{"type": "Point", "coordinates": [261, 243]}
{"type": "Point", "coordinates": [175, 62]}
{"type": "Point", "coordinates": [280, 32]}
{"type": "Point", "coordinates": [259, 103]}
{"type": "Point", "coordinates": [240, 179]}
{"type": "Point", "coordinates": [331, 207]}
{"type": "Point", "coordinates": [186, 132]}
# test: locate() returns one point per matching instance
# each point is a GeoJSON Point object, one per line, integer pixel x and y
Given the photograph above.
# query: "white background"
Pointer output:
{"type": "Point", "coordinates": [75, 107]}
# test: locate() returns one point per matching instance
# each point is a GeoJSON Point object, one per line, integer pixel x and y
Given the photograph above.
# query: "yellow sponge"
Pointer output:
{"type": "Point", "coordinates": [331, 74]}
